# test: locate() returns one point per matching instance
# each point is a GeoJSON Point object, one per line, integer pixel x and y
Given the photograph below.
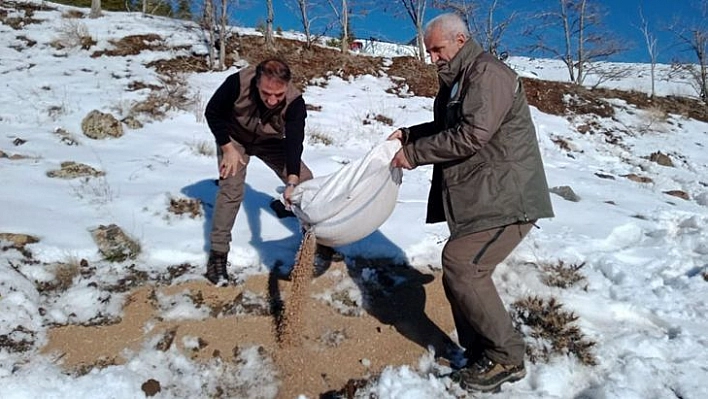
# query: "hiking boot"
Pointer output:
{"type": "Point", "coordinates": [324, 256]}
{"type": "Point", "coordinates": [486, 375]}
{"type": "Point", "coordinates": [216, 268]}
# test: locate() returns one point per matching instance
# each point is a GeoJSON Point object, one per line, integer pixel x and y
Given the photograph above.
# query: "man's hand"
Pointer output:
{"type": "Point", "coordinates": [231, 161]}
{"type": "Point", "coordinates": [287, 194]}
{"type": "Point", "coordinates": [398, 134]}
{"type": "Point", "coordinates": [290, 184]}
{"type": "Point", "coordinates": [400, 161]}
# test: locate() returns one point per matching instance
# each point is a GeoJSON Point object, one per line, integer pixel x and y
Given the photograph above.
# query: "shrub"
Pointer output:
{"type": "Point", "coordinates": [552, 330]}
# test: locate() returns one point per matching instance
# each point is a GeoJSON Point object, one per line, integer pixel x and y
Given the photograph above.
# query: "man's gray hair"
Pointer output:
{"type": "Point", "coordinates": [450, 24]}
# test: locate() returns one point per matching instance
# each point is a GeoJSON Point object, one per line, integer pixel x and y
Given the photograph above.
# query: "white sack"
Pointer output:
{"type": "Point", "coordinates": [353, 202]}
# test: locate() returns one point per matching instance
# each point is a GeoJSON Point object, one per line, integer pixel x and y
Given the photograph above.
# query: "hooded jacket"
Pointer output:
{"type": "Point", "coordinates": [488, 170]}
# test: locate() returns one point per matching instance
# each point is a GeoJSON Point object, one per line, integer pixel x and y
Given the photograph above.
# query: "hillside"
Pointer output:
{"type": "Point", "coordinates": [616, 282]}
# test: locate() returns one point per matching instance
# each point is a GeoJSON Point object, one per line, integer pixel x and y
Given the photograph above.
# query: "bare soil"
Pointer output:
{"type": "Point", "coordinates": [334, 351]}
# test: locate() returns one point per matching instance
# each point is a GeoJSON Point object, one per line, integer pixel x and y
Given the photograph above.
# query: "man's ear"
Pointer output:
{"type": "Point", "coordinates": [460, 39]}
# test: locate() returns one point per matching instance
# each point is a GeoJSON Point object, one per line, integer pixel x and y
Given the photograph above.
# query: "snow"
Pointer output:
{"type": "Point", "coordinates": [645, 253]}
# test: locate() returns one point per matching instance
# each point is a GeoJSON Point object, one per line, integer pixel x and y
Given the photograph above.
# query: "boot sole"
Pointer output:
{"type": "Point", "coordinates": [493, 387]}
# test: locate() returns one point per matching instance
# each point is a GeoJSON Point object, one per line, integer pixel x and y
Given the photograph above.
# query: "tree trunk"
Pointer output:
{"type": "Point", "coordinates": [302, 5]}
{"type": "Point", "coordinates": [209, 33]}
{"type": "Point", "coordinates": [270, 42]}
{"type": "Point", "coordinates": [568, 58]}
{"type": "Point", "coordinates": [345, 26]}
{"type": "Point", "coordinates": [421, 41]}
{"type": "Point", "coordinates": [222, 34]}
{"type": "Point", "coordinates": [95, 9]}
{"type": "Point", "coordinates": [581, 48]}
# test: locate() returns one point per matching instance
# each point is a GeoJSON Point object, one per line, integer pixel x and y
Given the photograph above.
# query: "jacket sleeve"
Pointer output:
{"type": "Point", "coordinates": [294, 135]}
{"type": "Point", "coordinates": [220, 108]}
{"type": "Point", "coordinates": [488, 99]}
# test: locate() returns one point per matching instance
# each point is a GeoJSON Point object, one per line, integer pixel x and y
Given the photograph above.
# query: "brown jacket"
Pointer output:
{"type": "Point", "coordinates": [236, 112]}
{"type": "Point", "coordinates": [249, 124]}
{"type": "Point", "coordinates": [488, 169]}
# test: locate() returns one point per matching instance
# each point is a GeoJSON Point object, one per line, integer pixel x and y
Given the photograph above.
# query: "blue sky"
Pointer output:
{"type": "Point", "coordinates": [622, 18]}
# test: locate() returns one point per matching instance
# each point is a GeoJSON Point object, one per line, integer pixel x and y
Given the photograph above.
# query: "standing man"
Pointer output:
{"type": "Point", "coordinates": [256, 111]}
{"type": "Point", "coordinates": [488, 184]}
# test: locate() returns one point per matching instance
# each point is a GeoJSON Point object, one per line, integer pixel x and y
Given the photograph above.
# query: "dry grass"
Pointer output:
{"type": "Point", "coordinates": [552, 330]}
{"type": "Point", "coordinates": [189, 206]}
{"type": "Point", "coordinates": [171, 94]}
{"type": "Point", "coordinates": [65, 274]}
{"type": "Point", "coordinates": [95, 190]}
{"type": "Point", "coordinates": [72, 14]}
{"type": "Point", "coordinates": [654, 119]}
{"type": "Point", "coordinates": [562, 275]}
{"type": "Point", "coordinates": [20, 339]}
{"type": "Point", "coordinates": [203, 147]}
{"type": "Point", "coordinates": [318, 137]}
{"type": "Point", "coordinates": [26, 8]}
{"type": "Point", "coordinates": [416, 77]}
{"type": "Point", "coordinates": [371, 118]}
{"type": "Point", "coordinates": [73, 34]}
{"type": "Point", "coordinates": [134, 45]}
{"type": "Point", "coordinates": [306, 64]}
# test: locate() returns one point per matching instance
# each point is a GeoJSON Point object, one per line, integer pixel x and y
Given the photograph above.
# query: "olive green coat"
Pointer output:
{"type": "Point", "coordinates": [488, 169]}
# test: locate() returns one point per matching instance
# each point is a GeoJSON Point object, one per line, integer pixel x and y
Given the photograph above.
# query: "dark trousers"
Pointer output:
{"type": "Point", "coordinates": [483, 324]}
{"type": "Point", "coordinates": [230, 195]}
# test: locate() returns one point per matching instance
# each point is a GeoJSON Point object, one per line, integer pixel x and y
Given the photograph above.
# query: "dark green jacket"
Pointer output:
{"type": "Point", "coordinates": [488, 170]}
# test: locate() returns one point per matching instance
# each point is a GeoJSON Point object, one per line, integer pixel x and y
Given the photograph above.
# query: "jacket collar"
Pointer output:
{"type": "Point", "coordinates": [450, 72]}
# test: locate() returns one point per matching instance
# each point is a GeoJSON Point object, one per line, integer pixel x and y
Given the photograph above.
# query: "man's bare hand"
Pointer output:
{"type": "Point", "coordinates": [398, 134]}
{"type": "Point", "coordinates": [287, 194]}
{"type": "Point", "coordinates": [231, 161]}
{"type": "Point", "coordinates": [400, 161]}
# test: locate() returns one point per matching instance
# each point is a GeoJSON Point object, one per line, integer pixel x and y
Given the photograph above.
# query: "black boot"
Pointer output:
{"type": "Point", "coordinates": [324, 256]}
{"type": "Point", "coordinates": [216, 268]}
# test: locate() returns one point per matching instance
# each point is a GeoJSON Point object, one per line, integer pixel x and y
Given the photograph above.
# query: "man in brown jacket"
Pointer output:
{"type": "Point", "coordinates": [256, 111]}
{"type": "Point", "coordinates": [489, 185]}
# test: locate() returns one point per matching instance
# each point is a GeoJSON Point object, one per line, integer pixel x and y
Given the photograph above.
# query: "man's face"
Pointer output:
{"type": "Point", "coordinates": [271, 90]}
{"type": "Point", "coordinates": [441, 48]}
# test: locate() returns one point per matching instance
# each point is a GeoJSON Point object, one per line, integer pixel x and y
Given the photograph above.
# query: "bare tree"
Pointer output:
{"type": "Point", "coordinates": [480, 17]}
{"type": "Point", "coordinates": [208, 25]}
{"type": "Point", "coordinates": [416, 10]}
{"type": "Point", "coordinates": [492, 31]}
{"type": "Point", "coordinates": [303, 10]}
{"type": "Point", "coordinates": [583, 38]}
{"type": "Point", "coordinates": [694, 36]}
{"type": "Point", "coordinates": [95, 9]}
{"type": "Point", "coordinates": [463, 8]}
{"type": "Point", "coordinates": [342, 14]}
{"type": "Point", "coordinates": [270, 42]}
{"type": "Point", "coordinates": [308, 11]}
{"type": "Point", "coordinates": [651, 43]}
{"type": "Point", "coordinates": [223, 37]}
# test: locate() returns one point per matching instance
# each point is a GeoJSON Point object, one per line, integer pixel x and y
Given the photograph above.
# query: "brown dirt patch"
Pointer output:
{"type": "Point", "coordinates": [133, 45]}
{"type": "Point", "coordinates": [410, 76]}
{"type": "Point", "coordinates": [421, 78]}
{"type": "Point", "coordinates": [548, 97]}
{"type": "Point", "coordinates": [335, 349]}
{"type": "Point", "coordinates": [27, 9]}
{"type": "Point", "coordinates": [307, 64]}
{"type": "Point", "coordinates": [181, 64]}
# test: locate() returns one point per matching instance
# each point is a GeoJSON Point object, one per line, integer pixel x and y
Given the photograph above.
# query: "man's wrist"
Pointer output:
{"type": "Point", "coordinates": [405, 133]}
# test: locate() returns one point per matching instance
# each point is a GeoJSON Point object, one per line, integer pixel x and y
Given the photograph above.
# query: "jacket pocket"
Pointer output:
{"type": "Point", "coordinates": [465, 192]}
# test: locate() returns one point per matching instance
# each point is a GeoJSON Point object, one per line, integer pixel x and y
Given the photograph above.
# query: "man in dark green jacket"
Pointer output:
{"type": "Point", "coordinates": [489, 185]}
